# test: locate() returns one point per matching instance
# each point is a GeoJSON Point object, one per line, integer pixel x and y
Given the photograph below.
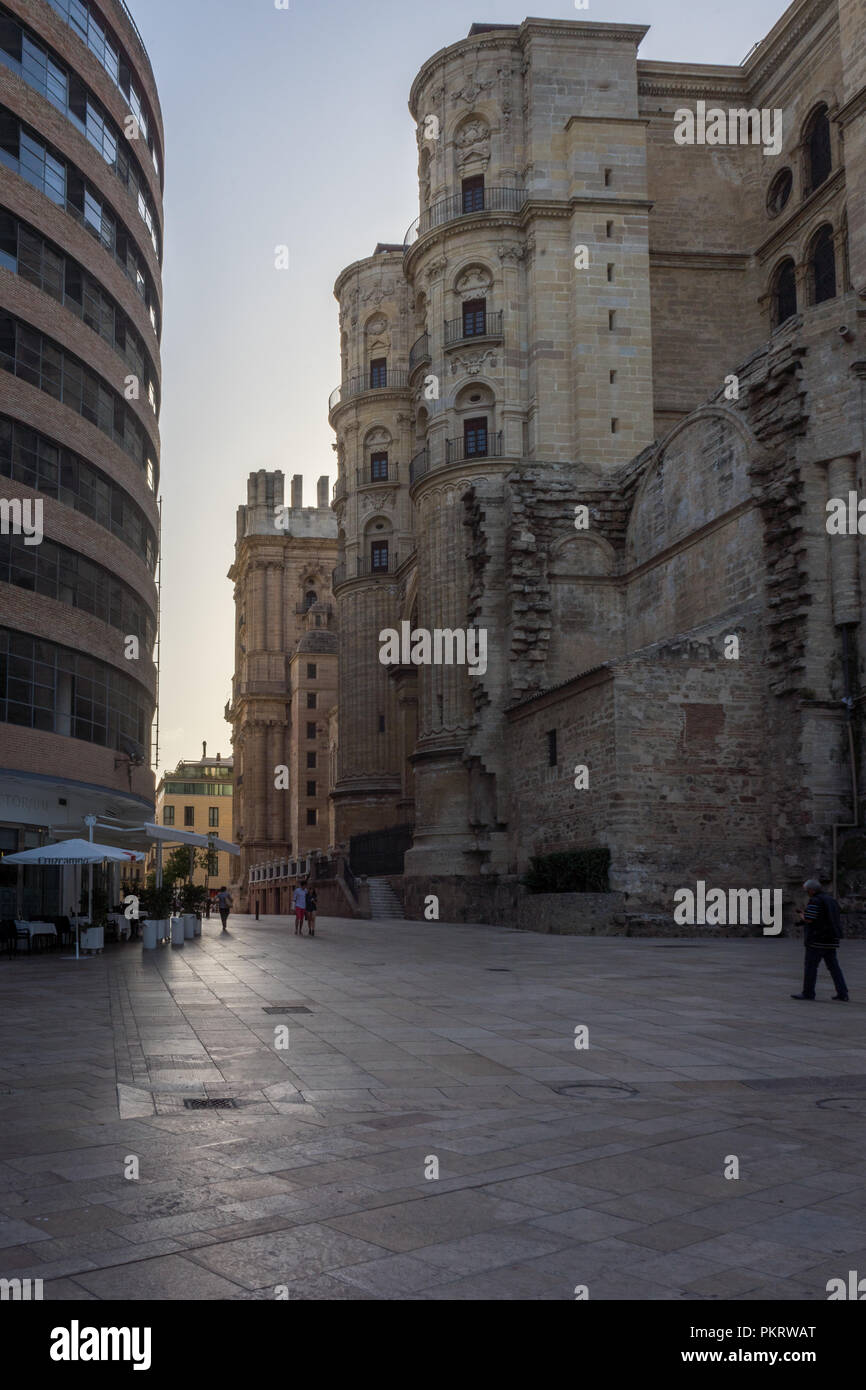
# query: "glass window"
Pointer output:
{"type": "Point", "coordinates": [819, 155]}
{"type": "Point", "coordinates": [213, 816]}
{"type": "Point", "coordinates": [474, 318]}
{"type": "Point", "coordinates": [378, 467]}
{"type": "Point", "coordinates": [168, 815]}
{"type": "Point", "coordinates": [311, 699]}
{"type": "Point", "coordinates": [473, 194]}
{"type": "Point", "coordinates": [311, 760]}
{"type": "Point", "coordinates": [311, 671]}
{"type": "Point", "coordinates": [379, 555]}
{"type": "Point", "coordinates": [784, 293]}
{"type": "Point", "coordinates": [823, 267]}
{"type": "Point", "coordinates": [311, 789]}
{"type": "Point", "coordinates": [189, 815]}
{"type": "Point", "coordinates": [475, 437]}
{"type": "Point", "coordinates": [311, 730]}
{"type": "Point", "coordinates": [312, 815]}
{"type": "Point", "coordinates": [378, 372]}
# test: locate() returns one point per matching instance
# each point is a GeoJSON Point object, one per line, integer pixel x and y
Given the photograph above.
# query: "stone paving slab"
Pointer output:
{"type": "Point", "coordinates": [431, 1044]}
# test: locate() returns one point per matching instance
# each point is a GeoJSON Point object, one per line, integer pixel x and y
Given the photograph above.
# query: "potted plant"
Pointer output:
{"type": "Point", "coordinates": [193, 897]}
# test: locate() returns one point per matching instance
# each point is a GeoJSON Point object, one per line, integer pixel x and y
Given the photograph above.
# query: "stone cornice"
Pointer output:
{"type": "Point", "coordinates": [759, 64]}
{"type": "Point", "coordinates": [518, 40]}
{"type": "Point", "coordinates": [699, 260]}
{"type": "Point", "coordinates": [852, 109]}
{"type": "Point", "coordinates": [608, 120]}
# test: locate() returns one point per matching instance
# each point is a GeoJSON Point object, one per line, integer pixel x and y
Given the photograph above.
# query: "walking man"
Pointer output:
{"type": "Point", "coordinates": [822, 934]}
{"type": "Point", "coordinates": [299, 901]}
{"type": "Point", "coordinates": [224, 902]}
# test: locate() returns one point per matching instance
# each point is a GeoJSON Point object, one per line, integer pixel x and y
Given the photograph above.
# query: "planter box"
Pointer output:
{"type": "Point", "coordinates": [177, 933]}
{"type": "Point", "coordinates": [148, 935]}
{"type": "Point", "coordinates": [92, 939]}
{"type": "Point", "coordinates": [188, 920]}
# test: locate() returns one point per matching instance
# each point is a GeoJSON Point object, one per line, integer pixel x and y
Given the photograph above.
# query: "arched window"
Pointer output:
{"type": "Point", "coordinates": [822, 266]}
{"type": "Point", "coordinates": [784, 293]}
{"type": "Point", "coordinates": [309, 599]}
{"type": "Point", "coordinates": [819, 159]}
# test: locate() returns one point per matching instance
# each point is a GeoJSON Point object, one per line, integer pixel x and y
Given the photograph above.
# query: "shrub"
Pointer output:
{"type": "Point", "coordinates": [569, 871]}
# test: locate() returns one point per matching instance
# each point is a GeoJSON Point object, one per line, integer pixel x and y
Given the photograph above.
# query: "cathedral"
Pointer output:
{"type": "Point", "coordinates": [598, 405]}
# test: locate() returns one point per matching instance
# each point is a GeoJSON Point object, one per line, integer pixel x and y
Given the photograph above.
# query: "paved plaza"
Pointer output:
{"type": "Point", "coordinates": [410, 1043]}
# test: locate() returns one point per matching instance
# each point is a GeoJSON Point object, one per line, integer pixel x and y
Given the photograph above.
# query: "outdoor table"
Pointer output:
{"type": "Point", "coordinates": [36, 929]}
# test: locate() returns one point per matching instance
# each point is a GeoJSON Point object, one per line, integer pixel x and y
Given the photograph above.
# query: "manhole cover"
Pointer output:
{"type": "Point", "coordinates": [209, 1103]}
{"type": "Point", "coordinates": [287, 1009]}
{"type": "Point", "coordinates": [595, 1090]}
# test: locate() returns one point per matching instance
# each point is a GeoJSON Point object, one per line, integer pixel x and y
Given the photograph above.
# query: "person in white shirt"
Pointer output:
{"type": "Point", "coordinates": [299, 900]}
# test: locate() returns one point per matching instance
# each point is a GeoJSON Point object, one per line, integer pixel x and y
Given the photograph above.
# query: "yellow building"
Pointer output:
{"type": "Point", "coordinates": [197, 797]}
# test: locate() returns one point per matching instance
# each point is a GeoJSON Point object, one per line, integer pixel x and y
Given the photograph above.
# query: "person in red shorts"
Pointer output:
{"type": "Point", "coordinates": [299, 901]}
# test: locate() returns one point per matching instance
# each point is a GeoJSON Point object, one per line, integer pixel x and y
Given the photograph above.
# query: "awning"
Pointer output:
{"type": "Point", "coordinates": [73, 852]}
{"type": "Point", "coordinates": [141, 834]}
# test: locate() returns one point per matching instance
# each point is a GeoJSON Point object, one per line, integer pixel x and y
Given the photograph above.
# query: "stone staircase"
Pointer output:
{"type": "Point", "coordinates": [384, 902]}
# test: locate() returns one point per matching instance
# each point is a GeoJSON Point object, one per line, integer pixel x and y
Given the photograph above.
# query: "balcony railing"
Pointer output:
{"type": "Point", "coordinates": [366, 478]}
{"type": "Point", "coordinates": [419, 351]}
{"type": "Point", "coordinates": [362, 567]}
{"type": "Point", "coordinates": [339, 490]}
{"type": "Point", "coordinates": [419, 465]}
{"type": "Point", "coordinates": [463, 331]}
{"type": "Point", "coordinates": [394, 379]}
{"type": "Point", "coordinates": [456, 451]}
{"type": "Point", "coordinates": [464, 205]}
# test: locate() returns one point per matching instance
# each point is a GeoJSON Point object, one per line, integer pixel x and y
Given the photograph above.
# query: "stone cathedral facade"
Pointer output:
{"type": "Point", "coordinates": [590, 313]}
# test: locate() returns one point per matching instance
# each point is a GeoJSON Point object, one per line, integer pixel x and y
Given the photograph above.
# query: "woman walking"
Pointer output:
{"type": "Point", "coordinates": [312, 905]}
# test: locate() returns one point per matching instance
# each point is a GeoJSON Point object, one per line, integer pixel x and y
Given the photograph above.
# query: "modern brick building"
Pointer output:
{"type": "Point", "coordinates": [81, 161]}
{"type": "Point", "coordinates": [285, 683]}
{"type": "Point", "coordinates": [591, 314]}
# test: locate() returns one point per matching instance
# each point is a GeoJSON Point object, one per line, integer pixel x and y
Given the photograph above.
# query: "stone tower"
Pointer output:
{"type": "Point", "coordinates": [284, 557]}
{"type": "Point", "coordinates": [370, 412]}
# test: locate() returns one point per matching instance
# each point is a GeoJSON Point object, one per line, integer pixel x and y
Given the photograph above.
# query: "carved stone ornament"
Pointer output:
{"type": "Point", "coordinates": [376, 295]}
{"type": "Point", "coordinates": [378, 438]}
{"type": "Point", "coordinates": [472, 142]}
{"type": "Point", "coordinates": [377, 501]}
{"type": "Point", "coordinates": [510, 252]}
{"type": "Point", "coordinates": [434, 270]}
{"type": "Point", "coordinates": [474, 282]}
{"type": "Point", "coordinates": [473, 90]}
{"type": "Point", "coordinates": [377, 325]}
{"type": "Point", "coordinates": [473, 365]}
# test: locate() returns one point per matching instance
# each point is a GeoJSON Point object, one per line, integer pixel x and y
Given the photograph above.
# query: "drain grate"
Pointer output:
{"type": "Point", "coordinates": [595, 1090]}
{"type": "Point", "coordinates": [209, 1103]}
{"type": "Point", "coordinates": [498, 969]}
{"type": "Point", "coordinates": [287, 1009]}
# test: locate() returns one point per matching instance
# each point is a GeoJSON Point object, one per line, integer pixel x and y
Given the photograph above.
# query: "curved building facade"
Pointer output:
{"type": "Point", "coordinates": [627, 371]}
{"type": "Point", "coordinates": [81, 226]}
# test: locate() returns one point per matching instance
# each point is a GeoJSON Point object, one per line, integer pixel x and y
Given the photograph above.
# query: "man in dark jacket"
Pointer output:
{"type": "Point", "coordinates": [822, 934]}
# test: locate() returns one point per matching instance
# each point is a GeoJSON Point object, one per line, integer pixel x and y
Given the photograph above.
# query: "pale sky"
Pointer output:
{"type": "Point", "coordinates": [292, 128]}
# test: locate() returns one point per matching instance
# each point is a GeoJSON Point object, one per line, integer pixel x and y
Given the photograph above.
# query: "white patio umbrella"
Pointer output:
{"type": "Point", "coordinates": [74, 852]}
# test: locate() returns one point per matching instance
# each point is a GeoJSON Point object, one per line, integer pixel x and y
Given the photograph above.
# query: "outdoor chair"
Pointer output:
{"type": "Point", "coordinates": [8, 937]}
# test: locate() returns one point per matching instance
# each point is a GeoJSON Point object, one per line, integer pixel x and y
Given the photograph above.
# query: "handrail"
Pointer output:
{"type": "Point", "coordinates": [455, 329]}
{"type": "Point", "coordinates": [396, 379]}
{"type": "Point", "coordinates": [455, 206]}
